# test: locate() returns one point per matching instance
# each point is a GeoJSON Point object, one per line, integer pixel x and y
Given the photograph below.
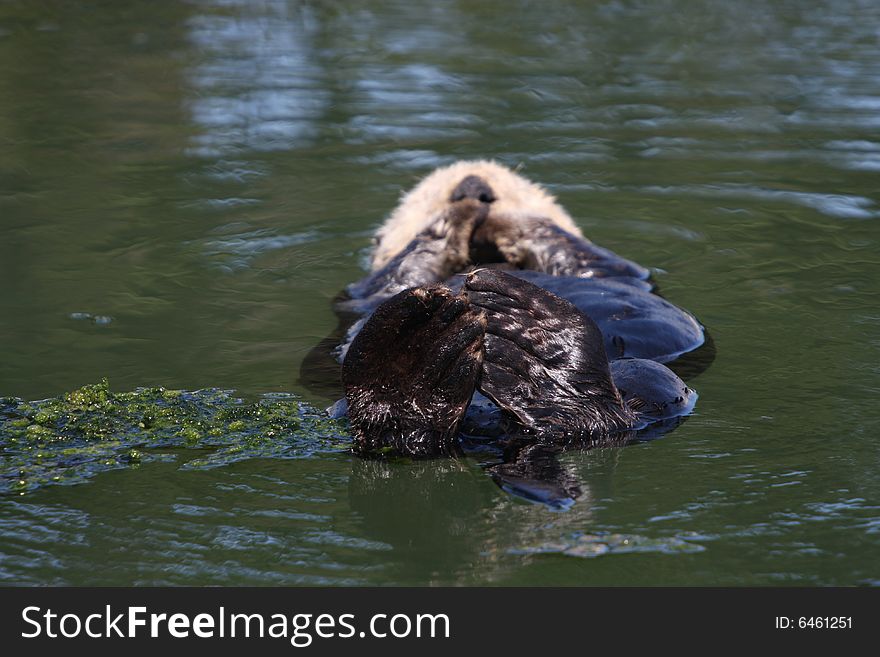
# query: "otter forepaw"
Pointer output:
{"type": "Point", "coordinates": [410, 373]}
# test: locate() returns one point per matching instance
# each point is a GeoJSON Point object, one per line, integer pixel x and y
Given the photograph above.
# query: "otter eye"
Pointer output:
{"type": "Point", "coordinates": [473, 187]}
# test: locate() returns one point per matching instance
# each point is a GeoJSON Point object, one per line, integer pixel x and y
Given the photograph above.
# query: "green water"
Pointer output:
{"type": "Point", "coordinates": [184, 187]}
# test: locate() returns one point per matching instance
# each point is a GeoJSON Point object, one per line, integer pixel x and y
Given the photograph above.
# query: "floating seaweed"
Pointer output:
{"type": "Point", "coordinates": [69, 439]}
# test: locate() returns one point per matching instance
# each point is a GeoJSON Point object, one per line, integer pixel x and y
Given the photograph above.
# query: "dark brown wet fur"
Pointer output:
{"type": "Point", "coordinates": [436, 254]}
{"type": "Point", "coordinates": [545, 361]}
{"type": "Point", "coordinates": [540, 245]}
{"type": "Point", "coordinates": [410, 373]}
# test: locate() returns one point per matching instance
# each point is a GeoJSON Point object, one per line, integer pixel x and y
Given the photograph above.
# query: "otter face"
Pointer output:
{"type": "Point", "coordinates": [511, 200]}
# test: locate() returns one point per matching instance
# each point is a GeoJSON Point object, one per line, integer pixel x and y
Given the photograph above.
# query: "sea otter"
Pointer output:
{"type": "Point", "coordinates": [486, 301]}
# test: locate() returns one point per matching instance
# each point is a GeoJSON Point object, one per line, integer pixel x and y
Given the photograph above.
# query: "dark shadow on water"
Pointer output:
{"type": "Point", "coordinates": [443, 516]}
{"type": "Point", "coordinates": [690, 365]}
{"type": "Point", "coordinates": [320, 371]}
{"type": "Point", "coordinates": [420, 507]}
{"type": "Point", "coordinates": [535, 472]}
{"type": "Point", "coordinates": [529, 471]}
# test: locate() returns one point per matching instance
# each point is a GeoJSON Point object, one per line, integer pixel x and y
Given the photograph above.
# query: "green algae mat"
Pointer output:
{"type": "Point", "coordinates": [69, 439]}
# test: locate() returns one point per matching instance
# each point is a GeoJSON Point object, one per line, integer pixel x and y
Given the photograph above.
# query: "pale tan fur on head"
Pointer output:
{"type": "Point", "coordinates": [515, 196]}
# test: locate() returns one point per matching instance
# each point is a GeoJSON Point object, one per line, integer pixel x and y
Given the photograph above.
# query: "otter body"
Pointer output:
{"type": "Point", "coordinates": [485, 301]}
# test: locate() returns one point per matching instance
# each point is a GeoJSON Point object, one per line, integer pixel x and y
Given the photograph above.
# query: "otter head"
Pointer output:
{"type": "Point", "coordinates": [509, 199]}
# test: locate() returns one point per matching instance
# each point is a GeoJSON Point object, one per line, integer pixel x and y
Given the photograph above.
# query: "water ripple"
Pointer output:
{"type": "Point", "coordinates": [259, 86]}
{"type": "Point", "coordinates": [238, 251]}
{"type": "Point", "coordinates": [840, 206]}
{"type": "Point", "coordinates": [587, 546]}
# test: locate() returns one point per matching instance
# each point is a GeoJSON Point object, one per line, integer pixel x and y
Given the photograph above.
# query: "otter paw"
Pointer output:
{"type": "Point", "coordinates": [411, 371]}
{"type": "Point", "coordinates": [545, 361]}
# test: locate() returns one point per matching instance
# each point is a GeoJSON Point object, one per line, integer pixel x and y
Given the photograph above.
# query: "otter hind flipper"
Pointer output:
{"type": "Point", "coordinates": [545, 361]}
{"type": "Point", "coordinates": [652, 390]}
{"type": "Point", "coordinates": [411, 371]}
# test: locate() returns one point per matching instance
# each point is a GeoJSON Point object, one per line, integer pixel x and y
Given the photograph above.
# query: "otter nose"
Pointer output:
{"type": "Point", "coordinates": [473, 187]}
